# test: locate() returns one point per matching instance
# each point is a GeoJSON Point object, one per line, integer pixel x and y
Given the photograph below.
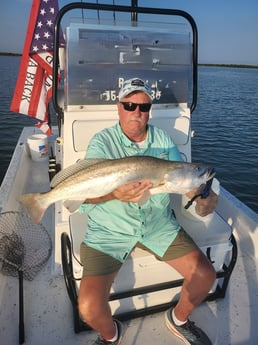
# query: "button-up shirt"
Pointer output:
{"type": "Point", "coordinates": [115, 227]}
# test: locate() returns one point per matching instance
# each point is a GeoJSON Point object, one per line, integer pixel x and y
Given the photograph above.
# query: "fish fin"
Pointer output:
{"type": "Point", "coordinates": [33, 206]}
{"type": "Point", "coordinates": [152, 191]}
{"type": "Point", "coordinates": [73, 169]}
{"type": "Point", "coordinates": [72, 205]}
{"type": "Point", "coordinates": [145, 197]}
{"type": "Point", "coordinates": [159, 189]}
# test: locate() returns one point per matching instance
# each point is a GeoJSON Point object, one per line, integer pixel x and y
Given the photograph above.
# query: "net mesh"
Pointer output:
{"type": "Point", "coordinates": [24, 246]}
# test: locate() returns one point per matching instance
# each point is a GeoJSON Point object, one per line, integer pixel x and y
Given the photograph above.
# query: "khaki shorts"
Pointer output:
{"type": "Point", "coordinates": [96, 262]}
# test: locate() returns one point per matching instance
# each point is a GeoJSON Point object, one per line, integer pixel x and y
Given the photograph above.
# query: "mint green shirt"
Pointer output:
{"type": "Point", "coordinates": [114, 227]}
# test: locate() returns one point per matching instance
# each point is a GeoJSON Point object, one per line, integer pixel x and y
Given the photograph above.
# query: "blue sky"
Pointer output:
{"type": "Point", "coordinates": [228, 29]}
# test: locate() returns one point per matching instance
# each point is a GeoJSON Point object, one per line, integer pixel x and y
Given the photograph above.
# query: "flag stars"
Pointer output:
{"type": "Point", "coordinates": [42, 11]}
{"type": "Point", "coordinates": [44, 47]}
{"type": "Point", "coordinates": [47, 34]}
{"type": "Point", "coordinates": [44, 27]}
{"type": "Point", "coordinates": [49, 23]}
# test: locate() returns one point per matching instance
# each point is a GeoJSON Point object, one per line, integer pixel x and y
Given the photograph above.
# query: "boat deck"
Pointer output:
{"type": "Point", "coordinates": [48, 312]}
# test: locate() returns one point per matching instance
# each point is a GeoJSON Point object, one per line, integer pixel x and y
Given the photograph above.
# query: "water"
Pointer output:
{"type": "Point", "coordinates": [11, 124]}
{"type": "Point", "coordinates": [225, 123]}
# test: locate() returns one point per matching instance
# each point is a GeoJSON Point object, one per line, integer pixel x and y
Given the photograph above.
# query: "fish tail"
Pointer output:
{"type": "Point", "coordinates": [34, 206]}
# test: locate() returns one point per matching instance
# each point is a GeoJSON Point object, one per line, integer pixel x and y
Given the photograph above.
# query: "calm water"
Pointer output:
{"type": "Point", "coordinates": [225, 124]}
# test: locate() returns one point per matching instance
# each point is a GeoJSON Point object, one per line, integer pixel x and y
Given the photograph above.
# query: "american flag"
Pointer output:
{"type": "Point", "coordinates": [34, 84]}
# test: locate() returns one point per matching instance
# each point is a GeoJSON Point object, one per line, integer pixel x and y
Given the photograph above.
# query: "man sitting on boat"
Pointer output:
{"type": "Point", "coordinates": [116, 224]}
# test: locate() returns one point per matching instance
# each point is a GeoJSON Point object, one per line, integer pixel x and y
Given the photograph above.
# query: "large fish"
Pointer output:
{"type": "Point", "coordinates": [93, 178]}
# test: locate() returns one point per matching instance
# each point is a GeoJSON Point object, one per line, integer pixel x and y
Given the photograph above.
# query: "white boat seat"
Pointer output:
{"type": "Point", "coordinates": [142, 271]}
{"type": "Point", "coordinates": [208, 232]}
{"type": "Point", "coordinates": [80, 127]}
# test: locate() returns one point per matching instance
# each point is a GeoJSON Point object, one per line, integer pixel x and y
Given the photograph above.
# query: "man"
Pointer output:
{"type": "Point", "coordinates": [116, 224]}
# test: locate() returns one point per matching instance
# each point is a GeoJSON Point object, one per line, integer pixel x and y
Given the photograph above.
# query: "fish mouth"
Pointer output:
{"type": "Point", "coordinates": [209, 172]}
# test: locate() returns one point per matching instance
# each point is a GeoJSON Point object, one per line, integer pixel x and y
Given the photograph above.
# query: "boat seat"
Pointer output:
{"type": "Point", "coordinates": [143, 284]}
{"type": "Point", "coordinates": [79, 129]}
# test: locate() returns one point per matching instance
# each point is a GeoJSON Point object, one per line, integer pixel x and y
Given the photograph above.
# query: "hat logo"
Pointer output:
{"type": "Point", "coordinates": [137, 82]}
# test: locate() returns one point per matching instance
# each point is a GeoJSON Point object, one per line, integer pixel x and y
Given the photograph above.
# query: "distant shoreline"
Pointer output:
{"type": "Point", "coordinates": [10, 54]}
{"type": "Point", "coordinates": [227, 65]}
{"type": "Point", "coordinates": [200, 64]}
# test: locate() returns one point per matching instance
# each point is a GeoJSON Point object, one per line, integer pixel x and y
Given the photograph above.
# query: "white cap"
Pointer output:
{"type": "Point", "coordinates": [132, 85]}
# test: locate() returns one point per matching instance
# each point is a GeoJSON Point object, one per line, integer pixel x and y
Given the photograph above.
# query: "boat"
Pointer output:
{"type": "Point", "coordinates": [159, 45]}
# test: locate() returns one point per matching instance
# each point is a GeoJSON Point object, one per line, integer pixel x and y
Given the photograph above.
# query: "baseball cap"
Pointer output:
{"type": "Point", "coordinates": [132, 85]}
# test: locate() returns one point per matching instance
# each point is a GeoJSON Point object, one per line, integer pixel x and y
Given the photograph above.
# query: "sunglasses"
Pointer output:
{"type": "Point", "coordinates": [130, 106]}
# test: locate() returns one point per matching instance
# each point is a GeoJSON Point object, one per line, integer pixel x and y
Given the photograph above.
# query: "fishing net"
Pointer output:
{"type": "Point", "coordinates": [24, 249]}
{"type": "Point", "coordinates": [24, 246]}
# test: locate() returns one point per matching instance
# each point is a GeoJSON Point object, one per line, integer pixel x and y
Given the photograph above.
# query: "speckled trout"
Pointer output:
{"type": "Point", "coordinates": [92, 178]}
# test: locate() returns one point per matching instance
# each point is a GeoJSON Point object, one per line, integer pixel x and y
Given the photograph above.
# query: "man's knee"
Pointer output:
{"type": "Point", "coordinates": [206, 270]}
{"type": "Point", "coordinates": [91, 309]}
{"type": "Point", "coordinates": [86, 307]}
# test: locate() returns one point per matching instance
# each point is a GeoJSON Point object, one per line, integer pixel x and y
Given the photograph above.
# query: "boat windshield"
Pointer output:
{"type": "Point", "coordinates": [99, 57]}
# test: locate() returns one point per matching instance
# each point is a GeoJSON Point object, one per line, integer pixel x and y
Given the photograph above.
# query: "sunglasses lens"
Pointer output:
{"type": "Point", "coordinates": [144, 107]}
{"type": "Point", "coordinates": [130, 106]}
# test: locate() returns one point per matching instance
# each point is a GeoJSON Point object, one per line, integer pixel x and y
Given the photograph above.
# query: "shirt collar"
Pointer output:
{"type": "Point", "coordinates": [128, 143]}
